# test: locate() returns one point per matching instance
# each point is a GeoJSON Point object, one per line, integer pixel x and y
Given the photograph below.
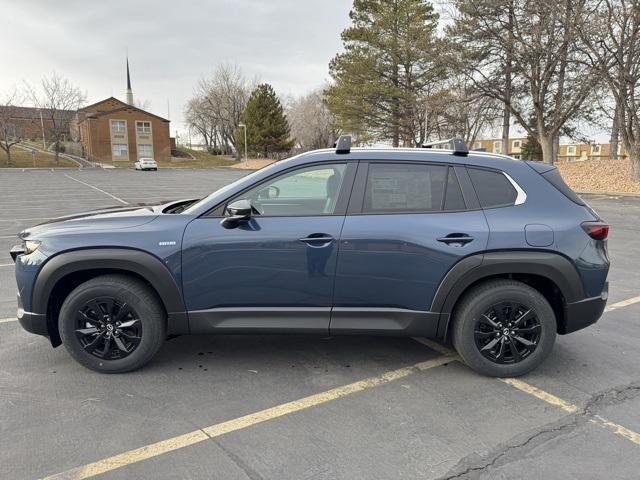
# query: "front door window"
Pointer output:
{"type": "Point", "coordinates": [304, 192]}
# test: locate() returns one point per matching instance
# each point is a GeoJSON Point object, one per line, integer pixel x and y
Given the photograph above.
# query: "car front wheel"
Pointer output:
{"type": "Point", "coordinates": [112, 324]}
{"type": "Point", "coordinates": [503, 328]}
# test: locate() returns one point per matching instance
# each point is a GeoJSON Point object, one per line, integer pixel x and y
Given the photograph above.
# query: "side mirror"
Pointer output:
{"type": "Point", "coordinates": [269, 192]}
{"type": "Point", "coordinates": [236, 212]}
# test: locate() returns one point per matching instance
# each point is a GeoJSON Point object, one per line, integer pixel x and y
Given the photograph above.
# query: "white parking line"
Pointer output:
{"type": "Point", "coordinates": [98, 189]}
{"type": "Point", "coordinates": [6, 265]}
{"type": "Point", "coordinates": [7, 320]}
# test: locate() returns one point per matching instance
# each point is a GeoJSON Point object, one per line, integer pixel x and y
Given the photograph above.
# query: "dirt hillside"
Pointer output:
{"type": "Point", "coordinates": [599, 176]}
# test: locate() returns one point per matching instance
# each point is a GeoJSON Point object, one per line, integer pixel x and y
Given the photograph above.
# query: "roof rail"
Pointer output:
{"type": "Point", "coordinates": [457, 145]}
{"type": "Point", "coordinates": [343, 145]}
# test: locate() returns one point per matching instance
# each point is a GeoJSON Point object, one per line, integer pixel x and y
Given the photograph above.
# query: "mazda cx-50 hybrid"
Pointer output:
{"type": "Point", "coordinates": [494, 254]}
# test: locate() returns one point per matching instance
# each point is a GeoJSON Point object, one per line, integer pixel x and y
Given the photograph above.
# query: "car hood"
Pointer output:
{"type": "Point", "coordinates": [110, 218]}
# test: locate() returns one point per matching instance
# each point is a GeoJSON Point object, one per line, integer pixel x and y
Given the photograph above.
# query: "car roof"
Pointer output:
{"type": "Point", "coordinates": [435, 155]}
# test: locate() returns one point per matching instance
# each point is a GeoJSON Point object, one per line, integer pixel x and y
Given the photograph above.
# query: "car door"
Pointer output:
{"type": "Point", "coordinates": [274, 272]}
{"type": "Point", "coordinates": [407, 225]}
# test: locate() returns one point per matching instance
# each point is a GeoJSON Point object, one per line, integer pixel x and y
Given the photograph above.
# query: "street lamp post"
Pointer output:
{"type": "Point", "coordinates": [44, 142]}
{"type": "Point", "coordinates": [242, 125]}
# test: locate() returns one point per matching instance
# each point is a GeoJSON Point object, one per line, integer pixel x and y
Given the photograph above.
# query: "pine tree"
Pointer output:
{"type": "Point", "coordinates": [267, 127]}
{"type": "Point", "coordinates": [531, 149]}
{"type": "Point", "coordinates": [390, 53]}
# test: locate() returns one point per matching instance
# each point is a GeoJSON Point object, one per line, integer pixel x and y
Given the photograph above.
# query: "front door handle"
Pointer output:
{"type": "Point", "coordinates": [457, 239]}
{"type": "Point", "coordinates": [317, 239]}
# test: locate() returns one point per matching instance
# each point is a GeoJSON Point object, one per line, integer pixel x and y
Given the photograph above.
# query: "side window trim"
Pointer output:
{"type": "Point", "coordinates": [522, 195]}
{"type": "Point", "coordinates": [359, 185]}
{"type": "Point", "coordinates": [468, 192]}
{"type": "Point", "coordinates": [341, 204]}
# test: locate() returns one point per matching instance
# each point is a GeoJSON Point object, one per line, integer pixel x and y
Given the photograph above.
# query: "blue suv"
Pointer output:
{"type": "Point", "coordinates": [493, 254]}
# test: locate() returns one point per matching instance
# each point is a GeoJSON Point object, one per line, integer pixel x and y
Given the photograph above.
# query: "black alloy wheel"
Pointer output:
{"type": "Point", "coordinates": [507, 332]}
{"type": "Point", "coordinates": [108, 329]}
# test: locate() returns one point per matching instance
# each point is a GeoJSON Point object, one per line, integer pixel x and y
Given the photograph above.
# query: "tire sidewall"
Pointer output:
{"type": "Point", "coordinates": [151, 321]}
{"type": "Point", "coordinates": [465, 339]}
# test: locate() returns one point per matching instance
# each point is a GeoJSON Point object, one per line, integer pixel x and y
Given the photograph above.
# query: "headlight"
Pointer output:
{"type": "Point", "coordinates": [30, 246]}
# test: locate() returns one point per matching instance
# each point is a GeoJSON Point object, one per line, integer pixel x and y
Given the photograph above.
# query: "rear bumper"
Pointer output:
{"type": "Point", "coordinates": [578, 315]}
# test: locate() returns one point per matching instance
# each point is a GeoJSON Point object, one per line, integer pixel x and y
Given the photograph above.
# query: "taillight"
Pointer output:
{"type": "Point", "coordinates": [596, 230]}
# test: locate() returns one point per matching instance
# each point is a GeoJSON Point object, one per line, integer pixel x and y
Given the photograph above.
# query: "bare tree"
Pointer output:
{"type": "Point", "coordinates": [550, 82]}
{"type": "Point", "coordinates": [312, 125]}
{"type": "Point", "coordinates": [467, 112]}
{"type": "Point", "coordinates": [10, 131]}
{"type": "Point", "coordinates": [614, 50]}
{"type": "Point", "coordinates": [201, 122]}
{"type": "Point", "coordinates": [58, 100]}
{"type": "Point", "coordinates": [220, 100]}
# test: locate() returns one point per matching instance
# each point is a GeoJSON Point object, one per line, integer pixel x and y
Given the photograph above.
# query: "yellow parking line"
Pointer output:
{"type": "Point", "coordinates": [570, 408]}
{"type": "Point", "coordinates": [541, 394]}
{"type": "Point", "coordinates": [7, 320]}
{"type": "Point", "coordinates": [200, 435]}
{"type": "Point", "coordinates": [617, 429]}
{"type": "Point", "coordinates": [623, 303]}
{"type": "Point", "coordinates": [434, 346]}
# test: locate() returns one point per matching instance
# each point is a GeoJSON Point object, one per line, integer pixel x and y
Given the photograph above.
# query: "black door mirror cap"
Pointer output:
{"type": "Point", "coordinates": [237, 212]}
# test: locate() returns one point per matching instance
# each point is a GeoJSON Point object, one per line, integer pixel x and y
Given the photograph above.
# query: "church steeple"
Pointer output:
{"type": "Point", "coordinates": [129, 91]}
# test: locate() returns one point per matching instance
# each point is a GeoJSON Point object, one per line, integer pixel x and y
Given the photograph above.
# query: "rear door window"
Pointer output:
{"type": "Point", "coordinates": [411, 188]}
{"type": "Point", "coordinates": [493, 188]}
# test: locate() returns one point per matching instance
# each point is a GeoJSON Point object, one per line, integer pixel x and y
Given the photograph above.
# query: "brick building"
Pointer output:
{"type": "Point", "coordinates": [29, 122]}
{"type": "Point", "coordinates": [112, 130]}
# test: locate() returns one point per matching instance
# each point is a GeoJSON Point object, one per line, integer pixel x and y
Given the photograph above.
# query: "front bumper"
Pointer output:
{"type": "Point", "coordinates": [32, 322]}
{"type": "Point", "coordinates": [578, 315]}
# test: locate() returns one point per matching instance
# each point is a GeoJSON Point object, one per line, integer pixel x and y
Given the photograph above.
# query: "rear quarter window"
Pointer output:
{"type": "Point", "coordinates": [493, 188]}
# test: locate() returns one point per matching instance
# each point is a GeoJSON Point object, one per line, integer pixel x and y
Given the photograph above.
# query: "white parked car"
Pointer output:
{"type": "Point", "coordinates": [146, 164]}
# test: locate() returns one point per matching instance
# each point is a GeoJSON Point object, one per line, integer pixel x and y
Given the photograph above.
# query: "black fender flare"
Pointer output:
{"type": "Point", "coordinates": [557, 268]}
{"type": "Point", "coordinates": [139, 262]}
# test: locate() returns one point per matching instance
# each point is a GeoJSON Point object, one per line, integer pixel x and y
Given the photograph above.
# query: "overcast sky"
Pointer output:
{"type": "Point", "coordinates": [171, 44]}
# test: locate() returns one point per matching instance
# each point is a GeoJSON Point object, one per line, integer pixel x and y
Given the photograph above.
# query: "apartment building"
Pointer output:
{"type": "Point", "coordinates": [568, 152]}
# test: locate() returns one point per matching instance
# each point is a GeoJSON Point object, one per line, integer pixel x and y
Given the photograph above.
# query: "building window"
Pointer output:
{"type": "Point", "coordinates": [477, 145]}
{"type": "Point", "coordinates": [497, 147]}
{"type": "Point", "coordinates": [571, 150]}
{"type": "Point", "coordinates": [516, 144]}
{"type": "Point", "coordinates": [143, 127]}
{"type": "Point", "coordinates": [118, 126]}
{"type": "Point", "coordinates": [145, 150]}
{"type": "Point", "coordinates": [595, 149]}
{"type": "Point", "coordinates": [119, 150]}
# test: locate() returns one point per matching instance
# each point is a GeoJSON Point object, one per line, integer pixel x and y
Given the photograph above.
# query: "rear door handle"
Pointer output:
{"type": "Point", "coordinates": [317, 239]}
{"type": "Point", "coordinates": [456, 239]}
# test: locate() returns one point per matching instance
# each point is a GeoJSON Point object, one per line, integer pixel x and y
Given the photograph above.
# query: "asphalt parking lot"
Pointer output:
{"type": "Point", "coordinates": [289, 407]}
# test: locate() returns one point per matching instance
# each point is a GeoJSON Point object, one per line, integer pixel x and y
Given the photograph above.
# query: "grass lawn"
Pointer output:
{"type": "Point", "coordinates": [22, 159]}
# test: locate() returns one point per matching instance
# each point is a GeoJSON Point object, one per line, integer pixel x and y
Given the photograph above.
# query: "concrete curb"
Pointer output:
{"type": "Point", "coordinates": [612, 194]}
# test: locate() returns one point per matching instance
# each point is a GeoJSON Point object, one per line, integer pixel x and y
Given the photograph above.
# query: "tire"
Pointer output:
{"type": "Point", "coordinates": [136, 316]}
{"type": "Point", "coordinates": [486, 344]}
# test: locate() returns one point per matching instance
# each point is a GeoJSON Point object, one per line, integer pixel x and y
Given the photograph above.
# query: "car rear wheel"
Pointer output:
{"type": "Point", "coordinates": [503, 328]}
{"type": "Point", "coordinates": [112, 324]}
